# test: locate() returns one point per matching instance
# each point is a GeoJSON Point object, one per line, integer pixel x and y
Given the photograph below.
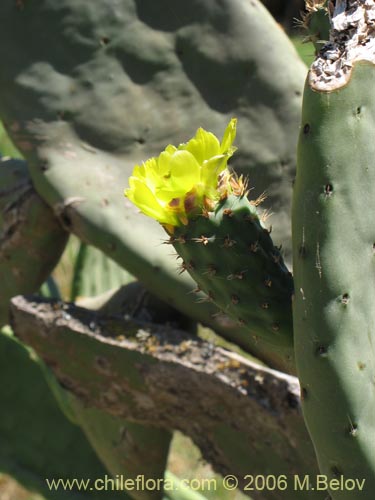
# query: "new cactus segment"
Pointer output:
{"type": "Point", "coordinates": [316, 21]}
{"type": "Point", "coordinates": [333, 245]}
{"type": "Point", "coordinates": [231, 256]}
{"type": "Point", "coordinates": [218, 233]}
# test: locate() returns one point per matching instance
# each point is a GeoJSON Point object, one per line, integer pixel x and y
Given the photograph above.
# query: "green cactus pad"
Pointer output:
{"type": "Point", "coordinates": [316, 22]}
{"type": "Point", "coordinates": [31, 237]}
{"type": "Point", "coordinates": [95, 273]}
{"type": "Point", "coordinates": [127, 449]}
{"type": "Point", "coordinates": [37, 441]}
{"type": "Point", "coordinates": [231, 256]}
{"type": "Point", "coordinates": [334, 271]}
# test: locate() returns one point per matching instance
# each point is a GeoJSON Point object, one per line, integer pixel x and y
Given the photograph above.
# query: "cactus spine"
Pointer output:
{"type": "Point", "coordinates": [333, 245]}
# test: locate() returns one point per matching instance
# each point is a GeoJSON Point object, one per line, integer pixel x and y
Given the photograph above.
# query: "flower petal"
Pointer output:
{"type": "Point", "coordinates": [211, 170]}
{"type": "Point", "coordinates": [181, 173]}
{"type": "Point", "coordinates": [147, 173]}
{"type": "Point", "coordinates": [229, 137]}
{"type": "Point", "coordinates": [146, 201]}
{"type": "Point", "coordinates": [203, 145]}
{"type": "Point", "coordinates": [185, 171]}
{"type": "Point", "coordinates": [170, 149]}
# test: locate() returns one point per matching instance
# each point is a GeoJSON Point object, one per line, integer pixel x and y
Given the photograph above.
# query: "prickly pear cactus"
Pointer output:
{"type": "Point", "coordinates": [217, 232]}
{"type": "Point", "coordinates": [197, 64]}
{"type": "Point", "coordinates": [334, 267]}
{"type": "Point", "coordinates": [31, 237]}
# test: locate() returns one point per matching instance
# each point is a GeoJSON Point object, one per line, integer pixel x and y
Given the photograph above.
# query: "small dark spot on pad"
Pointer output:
{"type": "Point", "coordinates": [235, 299]}
{"type": "Point", "coordinates": [306, 129]}
{"type": "Point", "coordinates": [328, 189]}
{"type": "Point", "coordinates": [345, 299]}
{"type": "Point", "coordinates": [102, 364]}
{"type": "Point", "coordinates": [353, 430]}
{"type": "Point", "coordinates": [66, 220]}
{"type": "Point", "coordinates": [104, 40]}
{"type": "Point", "coordinates": [336, 471]}
{"type": "Point", "coordinates": [322, 350]}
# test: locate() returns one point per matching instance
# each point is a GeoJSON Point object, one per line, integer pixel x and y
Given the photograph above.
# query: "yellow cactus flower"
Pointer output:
{"type": "Point", "coordinates": [182, 181]}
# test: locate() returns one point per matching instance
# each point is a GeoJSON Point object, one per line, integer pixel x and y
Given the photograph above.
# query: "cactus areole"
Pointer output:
{"type": "Point", "coordinates": [334, 258]}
